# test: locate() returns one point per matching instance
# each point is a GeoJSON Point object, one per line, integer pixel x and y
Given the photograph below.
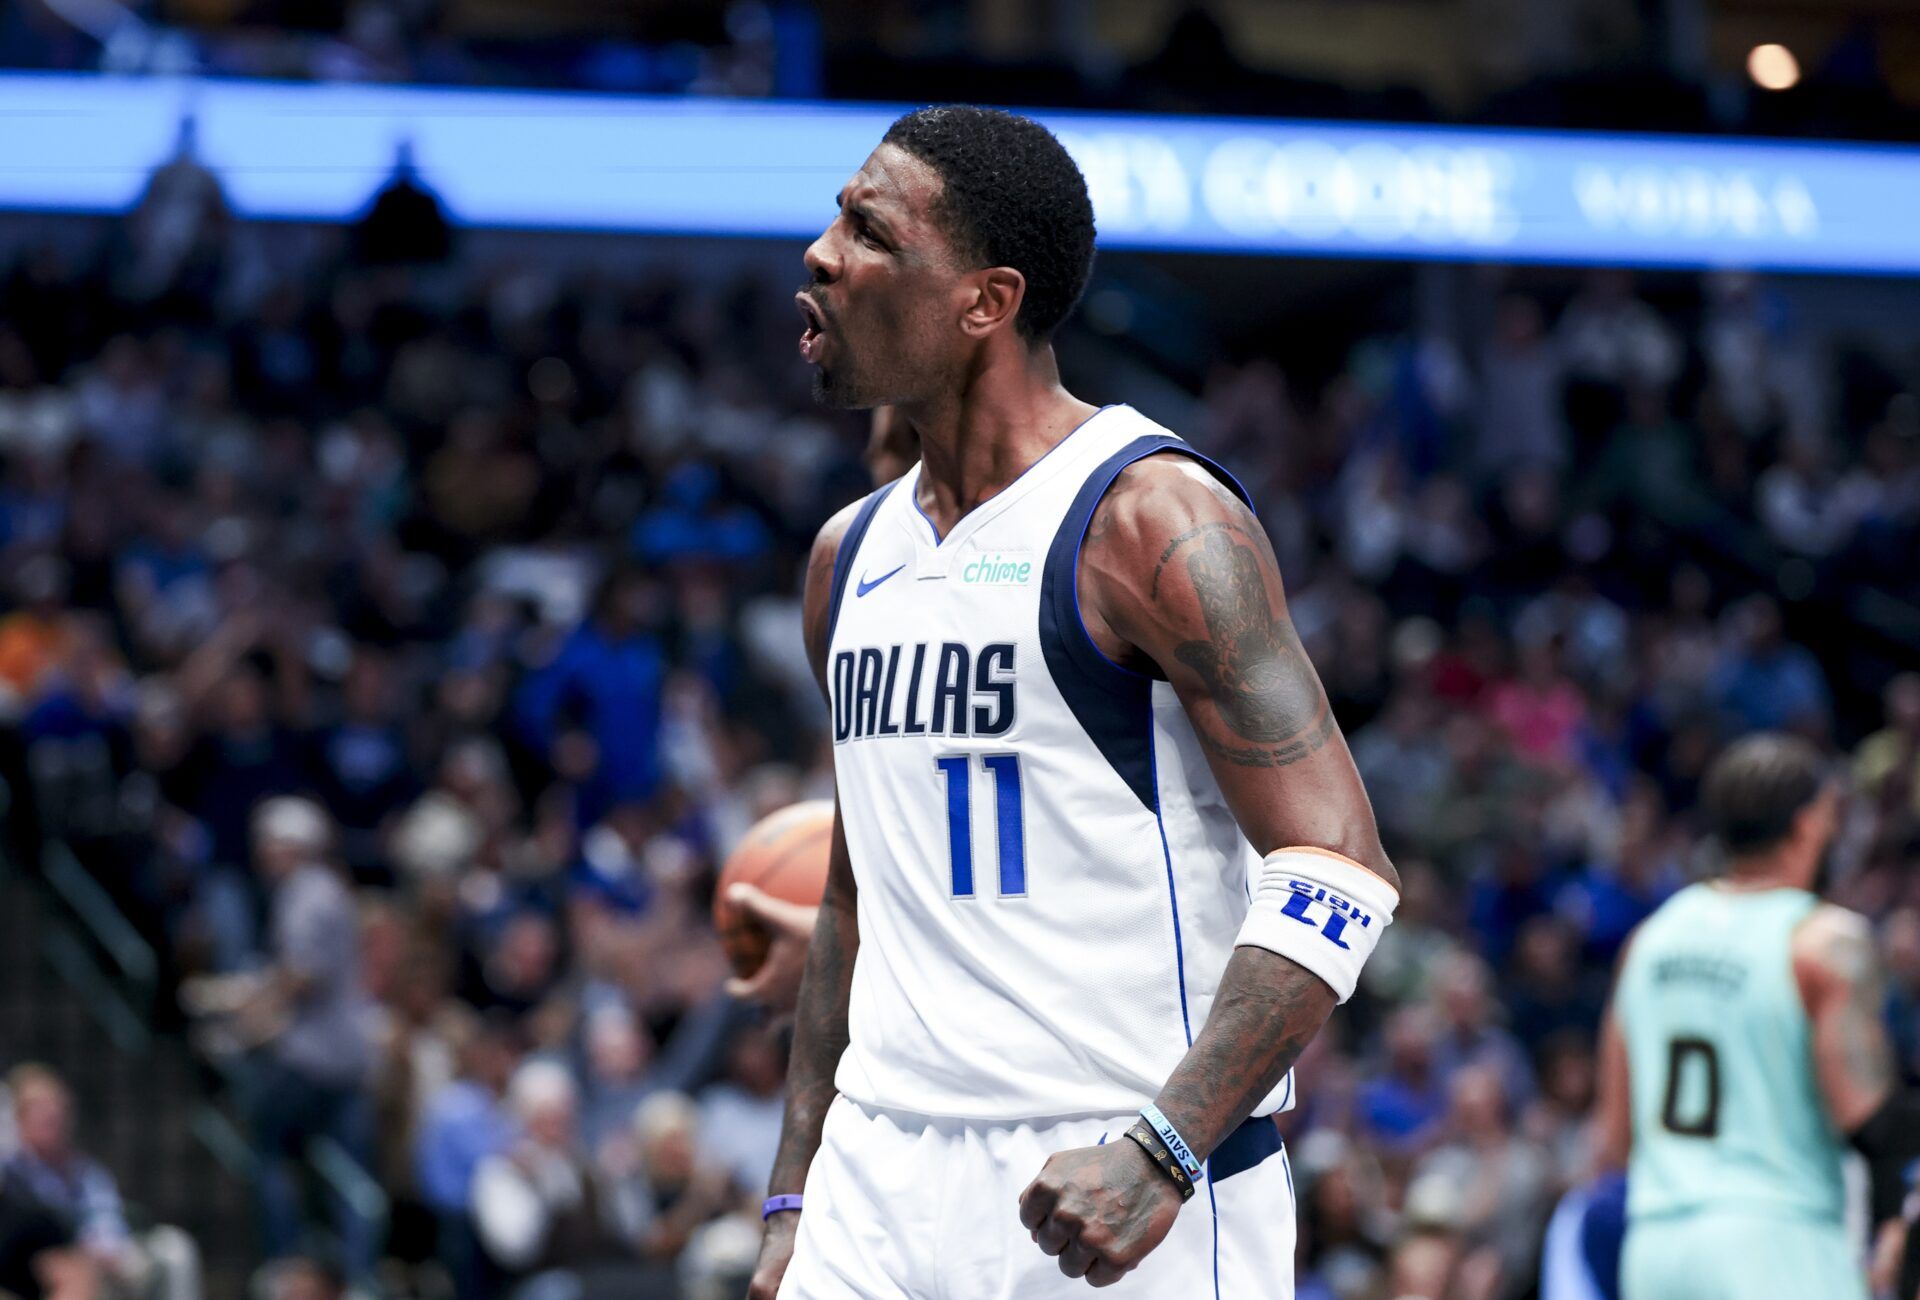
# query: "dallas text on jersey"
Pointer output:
{"type": "Point", "coordinates": [949, 690]}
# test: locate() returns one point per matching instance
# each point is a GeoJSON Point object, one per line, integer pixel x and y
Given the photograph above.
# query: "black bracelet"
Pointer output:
{"type": "Point", "coordinates": [1142, 1133]}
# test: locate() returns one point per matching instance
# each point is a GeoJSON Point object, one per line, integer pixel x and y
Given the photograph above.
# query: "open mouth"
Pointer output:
{"type": "Point", "coordinates": [814, 334]}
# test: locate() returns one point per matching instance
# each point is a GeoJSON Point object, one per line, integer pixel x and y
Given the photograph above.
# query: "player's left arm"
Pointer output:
{"type": "Point", "coordinates": [1176, 572]}
{"type": "Point", "coordinates": [1843, 988]}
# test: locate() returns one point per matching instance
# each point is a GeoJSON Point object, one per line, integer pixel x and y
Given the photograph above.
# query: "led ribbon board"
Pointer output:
{"type": "Point", "coordinates": [721, 167]}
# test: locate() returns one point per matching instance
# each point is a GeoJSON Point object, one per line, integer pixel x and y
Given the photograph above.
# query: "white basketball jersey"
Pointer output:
{"type": "Point", "coordinates": [1050, 882]}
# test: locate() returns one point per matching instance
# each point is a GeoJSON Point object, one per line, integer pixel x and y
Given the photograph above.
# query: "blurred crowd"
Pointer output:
{"type": "Point", "coordinates": [1605, 64]}
{"type": "Point", "coordinates": [749, 48]}
{"type": "Point", "coordinates": [401, 646]}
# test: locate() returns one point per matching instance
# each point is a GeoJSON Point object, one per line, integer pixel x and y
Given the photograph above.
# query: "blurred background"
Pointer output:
{"type": "Point", "coordinates": [404, 469]}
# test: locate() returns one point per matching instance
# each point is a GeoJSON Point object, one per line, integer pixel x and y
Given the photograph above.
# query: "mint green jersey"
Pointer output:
{"type": "Point", "coordinates": [1727, 1114]}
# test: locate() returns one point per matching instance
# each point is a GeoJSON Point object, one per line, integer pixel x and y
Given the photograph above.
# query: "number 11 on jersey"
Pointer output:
{"type": "Point", "coordinates": [1009, 821]}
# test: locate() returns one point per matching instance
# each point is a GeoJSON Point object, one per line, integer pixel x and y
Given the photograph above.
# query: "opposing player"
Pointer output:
{"type": "Point", "coordinates": [1744, 1050]}
{"type": "Point", "coordinates": [1102, 864]}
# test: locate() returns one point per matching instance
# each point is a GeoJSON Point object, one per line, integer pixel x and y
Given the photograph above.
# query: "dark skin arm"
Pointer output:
{"type": "Point", "coordinates": [820, 1018]}
{"type": "Point", "coordinates": [1176, 573]}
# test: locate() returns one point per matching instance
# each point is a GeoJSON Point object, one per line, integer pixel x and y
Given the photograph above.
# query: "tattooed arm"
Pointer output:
{"type": "Point", "coordinates": [820, 1019]}
{"type": "Point", "coordinates": [1175, 572]}
{"type": "Point", "coordinates": [1840, 982]}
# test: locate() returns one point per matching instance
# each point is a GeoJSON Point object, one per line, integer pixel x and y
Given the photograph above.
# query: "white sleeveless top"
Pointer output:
{"type": "Point", "coordinates": [1050, 882]}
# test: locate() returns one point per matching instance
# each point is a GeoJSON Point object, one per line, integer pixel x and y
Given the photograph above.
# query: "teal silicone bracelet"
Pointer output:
{"type": "Point", "coordinates": [1170, 1135]}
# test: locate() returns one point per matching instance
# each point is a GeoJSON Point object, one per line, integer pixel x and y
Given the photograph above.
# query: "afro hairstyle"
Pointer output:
{"type": "Point", "coordinates": [1011, 196]}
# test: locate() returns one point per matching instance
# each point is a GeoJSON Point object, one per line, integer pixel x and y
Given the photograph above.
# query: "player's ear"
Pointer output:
{"type": "Point", "coordinates": [998, 292]}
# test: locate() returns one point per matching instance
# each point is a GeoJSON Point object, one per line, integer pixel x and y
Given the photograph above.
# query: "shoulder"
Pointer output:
{"type": "Point", "coordinates": [826, 542]}
{"type": "Point", "coordinates": [817, 602]}
{"type": "Point", "coordinates": [1156, 509]}
{"type": "Point", "coordinates": [1832, 930]}
{"type": "Point", "coordinates": [1161, 495]}
{"type": "Point", "coordinates": [1833, 951]}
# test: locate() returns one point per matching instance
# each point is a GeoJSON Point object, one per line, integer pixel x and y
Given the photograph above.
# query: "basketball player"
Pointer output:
{"type": "Point", "coordinates": [1102, 865]}
{"type": "Point", "coordinates": [1745, 1049]}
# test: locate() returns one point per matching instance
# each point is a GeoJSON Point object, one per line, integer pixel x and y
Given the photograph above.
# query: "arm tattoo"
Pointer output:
{"type": "Point", "coordinates": [1153, 591]}
{"type": "Point", "coordinates": [1253, 665]}
{"type": "Point", "coordinates": [819, 1039]}
{"type": "Point", "coordinates": [1865, 1055]}
{"type": "Point", "coordinates": [1267, 1010]}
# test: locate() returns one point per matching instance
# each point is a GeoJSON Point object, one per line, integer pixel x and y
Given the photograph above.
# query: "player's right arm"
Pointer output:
{"type": "Point", "coordinates": [1611, 1136]}
{"type": "Point", "coordinates": [820, 1018]}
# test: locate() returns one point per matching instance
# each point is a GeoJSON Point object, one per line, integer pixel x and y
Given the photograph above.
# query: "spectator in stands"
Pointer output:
{"type": "Point", "coordinates": [1558, 1122]}
{"type": "Point", "coordinates": [1402, 1101]}
{"type": "Point", "coordinates": [466, 1123]}
{"type": "Point", "coordinates": [672, 1192]}
{"type": "Point", "coordinates": [1470, 1033]}
{"type": "Point", "coordinates": [309, 1009]}
{"type": "Point", "coordinates": [49, 1171]}
{"type": "Point", "coordinates": [1768, 683]}
{"type": "Point", "coordinates": [1344, 1227]}
{"type": "Point", "coordinates": [1548, 990]}
{"type": "Point", "coordinates": [1521, 421]}
{"type": "Point", "coordinates": [1499, 1179]}
{"type": "Point", "coordinates": [545, 1215]}
{"type": "Point", "coordinates": [1806, 505]}
{"type": "Point", "coordinates": [740, 1115]}
{"type": "Point", "coordinates": [239, 685]}
{"type": "Point", "coordinates": [594, 710]}
{"type": "Point", "coordinates": [362, 769]}
{"type": "Point", "coordinates": [39, 1259]}
{"type": "Point", "coordinates": [616, 1052]}
{"type": "Point", "coordinates": [1887, 763]}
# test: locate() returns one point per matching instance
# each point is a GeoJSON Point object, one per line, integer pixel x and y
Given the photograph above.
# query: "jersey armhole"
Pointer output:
{"type": "Point", "coordinates": [1060, 582]}
{"type": "Point", "coordinates": [1113, 704]}
{"type": "Point", "coordinates": [850, 543]}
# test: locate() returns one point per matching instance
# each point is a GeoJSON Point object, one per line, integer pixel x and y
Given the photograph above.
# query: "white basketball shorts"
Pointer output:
{"type": "Point", "coordinates": [904, 1207]}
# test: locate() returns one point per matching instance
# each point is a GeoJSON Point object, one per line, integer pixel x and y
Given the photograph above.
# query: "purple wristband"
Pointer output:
{"type": "Point", "coordinates": [774, 1204]}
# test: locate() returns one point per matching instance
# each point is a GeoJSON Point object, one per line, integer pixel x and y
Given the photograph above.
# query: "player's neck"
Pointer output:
{"type": "Point", "coordinates": [1755, 875]}
{"type": "Point", "coordinates": [984, 438]}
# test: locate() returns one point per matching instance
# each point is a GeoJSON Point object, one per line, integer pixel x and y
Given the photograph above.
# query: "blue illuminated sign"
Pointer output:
{"type": "Point", "coordinates": [318, 152]}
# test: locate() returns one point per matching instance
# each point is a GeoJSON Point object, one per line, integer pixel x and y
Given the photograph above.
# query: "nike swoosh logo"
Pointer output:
{"type": "Point", "coordinates": [863, 586]}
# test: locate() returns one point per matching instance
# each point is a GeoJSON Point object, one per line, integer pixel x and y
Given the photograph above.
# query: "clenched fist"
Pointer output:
{"type": "Point", "coordinates": [1099, 1210]}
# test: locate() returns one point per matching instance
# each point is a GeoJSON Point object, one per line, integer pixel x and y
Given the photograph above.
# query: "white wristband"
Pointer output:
{"type": "Point", "coordinates": [1320, 909]}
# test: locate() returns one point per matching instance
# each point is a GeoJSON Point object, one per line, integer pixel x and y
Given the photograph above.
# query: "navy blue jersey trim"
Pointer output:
{"type": "Point", "coordinates": [1173, 892]}
{"type": "Point", "coordinates": [1242, 1149]}
{"type": "Point", "coordinates": [941, 540]}
{"type": "Point", "coordinates": [1113, 704]}
{"type": "Point", "coordinates": [931, 526]}
{"type": "Point", "coordinates": [1213, 1204]}
{"type": "Point", "coordinates": [849, 544]}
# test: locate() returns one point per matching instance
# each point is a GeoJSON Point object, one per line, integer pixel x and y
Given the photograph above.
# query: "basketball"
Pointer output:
{"type": "Point", "coordinates": [785, 855]}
